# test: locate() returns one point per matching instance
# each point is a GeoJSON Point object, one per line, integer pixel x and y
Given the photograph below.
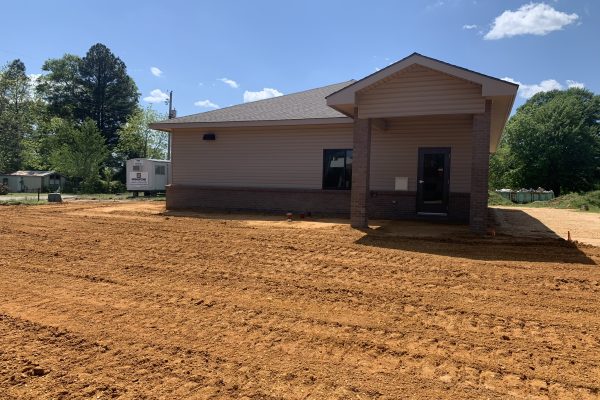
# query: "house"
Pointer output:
{"type": "Point", "coordinates": [411, 140]}
{"type": "Point", "coordinates": [32, 181]}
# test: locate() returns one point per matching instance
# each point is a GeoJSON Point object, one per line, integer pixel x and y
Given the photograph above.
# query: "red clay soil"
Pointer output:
{"type": "Point", "coordinates": [118, 300]}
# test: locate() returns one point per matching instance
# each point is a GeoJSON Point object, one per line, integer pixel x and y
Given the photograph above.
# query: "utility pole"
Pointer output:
{"type": "Point", "coordinates": [172, 111]}
{"type": "Point", "coordinates": [172, 114]}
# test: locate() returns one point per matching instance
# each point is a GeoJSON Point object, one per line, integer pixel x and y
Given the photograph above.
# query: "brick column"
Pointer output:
{"type": "Point", "coordinates": [480, 161]}
{"type": "Point", "coordinates": [360, 172]}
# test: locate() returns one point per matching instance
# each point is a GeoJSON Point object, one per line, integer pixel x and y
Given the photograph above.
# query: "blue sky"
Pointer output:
{"type": "Point", "coordinates": [218, 53]}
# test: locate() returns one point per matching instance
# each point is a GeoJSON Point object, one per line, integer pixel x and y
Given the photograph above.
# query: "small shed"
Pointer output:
{"type": "Point", "coordinates": [147, 175]}
{"type": "Point", "coordinates": [32, 181]}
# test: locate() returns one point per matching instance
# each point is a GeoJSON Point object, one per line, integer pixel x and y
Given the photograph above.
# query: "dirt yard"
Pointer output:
{"type": "Point", "coordinates": [117, 300]}
{"type": "Point", "coordinates": [550, 222]}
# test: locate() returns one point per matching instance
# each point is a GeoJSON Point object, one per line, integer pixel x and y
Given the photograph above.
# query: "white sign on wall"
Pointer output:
{"type": "Point", "coordinates": [138, 178]}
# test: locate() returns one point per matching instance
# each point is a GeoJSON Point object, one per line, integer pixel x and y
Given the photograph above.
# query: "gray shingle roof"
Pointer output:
{"type": "Point", "coordinates": [32, 173]}
{"type": "Point", "coordinates": [302, 105]}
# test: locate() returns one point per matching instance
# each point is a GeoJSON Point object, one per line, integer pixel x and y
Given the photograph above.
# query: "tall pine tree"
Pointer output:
{"type": "Point", "coordinates": [108, 95]}
{"type": "Point", "coordinates": [15, 107]}
{"type": "Point", "coordinates": [95, 87]}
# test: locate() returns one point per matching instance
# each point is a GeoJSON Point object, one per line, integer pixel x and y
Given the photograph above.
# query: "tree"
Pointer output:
{"type": "Point", "coordinates": [15, 114]}
{"type": "Point", "coordinates": [79, 152]}
{"type": "Point", "coordinates": [95, 87]}
{"type": "Point", "coordinates": [59, 86]}
{"type": "Point", "coordinates": [136, 139]}
{"type": "Point", "coordinates": [35, 151]}
{"type": "Point", "coordinates": [109, 96]}
{"type": "Point", "coordinates": [552, 141]}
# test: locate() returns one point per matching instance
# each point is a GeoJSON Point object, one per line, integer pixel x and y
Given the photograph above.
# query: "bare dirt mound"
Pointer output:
{"type": "Point", "coordinates": [120, 301]}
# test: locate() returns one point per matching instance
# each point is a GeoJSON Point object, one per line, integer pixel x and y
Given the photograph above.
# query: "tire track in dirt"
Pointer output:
{"type": "Point", "coordinates": [282, 312]}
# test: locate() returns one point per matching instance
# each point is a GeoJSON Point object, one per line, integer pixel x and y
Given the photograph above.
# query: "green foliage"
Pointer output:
{"type": "Point", "coordinates": [16, 121]}
{"type": "Point", "coordinates": [3, 189]}
{"type": "Point", "coordinates": [46, 124]}
{"type": "Point", "coordinates": [573, 201]}
{"type": "Point", "coordinates": [109, 95]}
{"type": "Point", "coordinates": [137, 140]}
{"type": "Point", "coordinates": [79, 152]}
{"type": "Point", "coordinates": [26, 202]}
{"type": "Point", "coordinates": [109, 185]}
{"type": "Point", "coordinates": [95, 87]}
{"type": "Point", "coordinates": [495, 199]}
{"type": "Point", "coordinates": [59, 86]}
{"type": "Point", "coordinates": [553, 141]}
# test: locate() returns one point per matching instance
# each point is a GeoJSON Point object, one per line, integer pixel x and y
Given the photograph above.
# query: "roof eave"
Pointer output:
{"type": "Point", "coordinates": [168, 127]}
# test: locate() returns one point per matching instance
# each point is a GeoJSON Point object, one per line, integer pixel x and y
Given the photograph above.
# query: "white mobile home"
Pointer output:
{"type": "Point", "coordinates": [147, 175]}
{"type": "Point", "coordinates": [32, 181]}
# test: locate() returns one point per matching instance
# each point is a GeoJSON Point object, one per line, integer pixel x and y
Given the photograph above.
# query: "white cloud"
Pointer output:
{"type": "Point", "coordinates": [533, 19]}
{"type": "Point", "coordinates": [206, 104]}
{"type": "Point", "coordinates": [156, 71]}
{"type": "Point", "coordinates": [230, 82]}
{"type": "Point", "coordinates": [469, 27]}
{"type": "Point", "coordinates": [527, 91]}
{"type": "Point", "coordinates": [436, 4]}
{"type": "Point", "coordinates": [575, 84]}
{"type": "Point", "coordinates": [266, 93]}
{"type": "Point", "coordinates": [156, 96]}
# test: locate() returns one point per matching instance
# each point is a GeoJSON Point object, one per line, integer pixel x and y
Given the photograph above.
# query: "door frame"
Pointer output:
{"type": "Point", "coordinates": [443, 209]}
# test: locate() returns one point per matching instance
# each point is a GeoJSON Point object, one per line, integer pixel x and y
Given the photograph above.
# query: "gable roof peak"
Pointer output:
{"type": "Point", "coordinates": [491, 86]}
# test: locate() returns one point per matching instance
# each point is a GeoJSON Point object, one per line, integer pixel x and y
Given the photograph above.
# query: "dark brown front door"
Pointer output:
{"type": "Point", "coordinates": [433, 181]}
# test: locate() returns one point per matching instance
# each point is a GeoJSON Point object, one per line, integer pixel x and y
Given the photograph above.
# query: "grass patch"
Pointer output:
{"type": "Point", "coordinates": [82, 196]}
{"type": "Point", "coordinates": [103, 196]}
{"type": "Point", "coordinates": [119, 196]}
{"type": "Point", "coordinates": [572, 201]}
{"type": "Point", "coordinates": [21, 195]}
{"type": "Point", "coordinates": [495, 199]}
{"type": "Point", "coordinates": [22, 202]}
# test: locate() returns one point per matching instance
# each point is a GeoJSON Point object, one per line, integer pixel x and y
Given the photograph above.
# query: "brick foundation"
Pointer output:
{"type": "Point", "coordinates": [326, 202]}
{"type": "Point", "coordinates": [381, 204]}
{"type": "Point", "coordinates": [403, 205]}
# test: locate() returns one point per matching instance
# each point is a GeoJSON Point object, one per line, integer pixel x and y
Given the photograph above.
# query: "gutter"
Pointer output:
{"type": "Point", "coordinates": [170, 126]}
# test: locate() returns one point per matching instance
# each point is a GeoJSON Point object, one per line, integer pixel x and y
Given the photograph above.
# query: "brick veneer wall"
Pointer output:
{"type": "Point", "coordinates": [480, 142]}
{"type": "Point", "coordinates": [382, 205]}
{"type": "Point", "coordinates": [361, 162]}
{"type": "Point", "coordinates": [403, 205]}
{"type": "Point", "coordinates": [327, 202]}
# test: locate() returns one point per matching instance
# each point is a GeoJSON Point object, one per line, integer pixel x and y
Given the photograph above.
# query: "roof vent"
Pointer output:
{"type": "Point", "coordinates": [209, 136]}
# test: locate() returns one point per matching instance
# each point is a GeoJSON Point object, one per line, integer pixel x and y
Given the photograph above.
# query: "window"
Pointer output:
{"type": "Point", "coordinates": [137, 167]}
{"type": "Point", "coordinates": [159, 170]}
{"type": "Point", "coordinates": [337, 169]}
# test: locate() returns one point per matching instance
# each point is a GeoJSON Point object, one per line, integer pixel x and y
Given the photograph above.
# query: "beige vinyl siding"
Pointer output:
{"type": "Point", "coordinates": [267, 157]}
{"type": "Point", "coordinates": [395, 151]}
{"type": "Point", "coordinates": [418, 90]}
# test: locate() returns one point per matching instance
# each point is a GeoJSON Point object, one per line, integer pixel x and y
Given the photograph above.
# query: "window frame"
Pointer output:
{"type": "Point", "coordinates": [161, 168]}
{"type": "Point", "coordinates": [325, 168]}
